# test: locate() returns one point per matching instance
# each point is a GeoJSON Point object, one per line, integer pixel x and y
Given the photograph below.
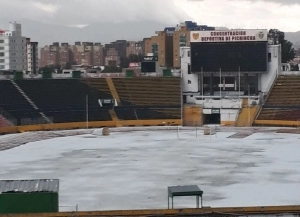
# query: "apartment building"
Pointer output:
{"type": "Point", "coordinates": [112, 57]}
{"type": "Point", "coordinates": [13, 48]}
{"type": "Point", "coordinates": [161, 45]}
{"type": "Point", "coordinates": [135, 48]}
{"type": "Point", "coordinates": [32, 56]}
{"type": "Point", "coordinates": [65, 55]}
{"type": "Point", "coordinates": [50, 55]}
{"type": "Point", "coordinates": [98, 54]}
{"type": "Point", "coordinates": [115, 53]}
{"type": "Point", "coordinates": [83, 53]}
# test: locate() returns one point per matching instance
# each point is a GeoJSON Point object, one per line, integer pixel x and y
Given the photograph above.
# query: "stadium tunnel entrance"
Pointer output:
{"type": "Point", "coordinates": [212, 119]}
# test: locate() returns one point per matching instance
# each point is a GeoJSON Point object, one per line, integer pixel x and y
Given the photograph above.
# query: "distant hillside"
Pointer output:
{"type": "Point", "coordinates": [101, 32]}
{"type": "Point", "coordinates": [294, 37]}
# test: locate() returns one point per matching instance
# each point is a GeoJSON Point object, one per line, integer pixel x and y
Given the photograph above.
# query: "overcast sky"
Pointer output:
{"type": "Point", "coordinates": [281, 14]}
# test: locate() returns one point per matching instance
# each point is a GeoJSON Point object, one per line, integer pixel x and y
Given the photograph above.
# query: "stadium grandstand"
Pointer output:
{"type": "Point", "coordinates": [235, 78]}
{"type": "Point", "coordinates": [107, 101]}
{"type": "Point", "coordinates": [227, 77]}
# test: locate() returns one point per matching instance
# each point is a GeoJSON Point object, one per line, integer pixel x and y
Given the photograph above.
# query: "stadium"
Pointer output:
{"type": "Point", "coordinates": [227, 123]}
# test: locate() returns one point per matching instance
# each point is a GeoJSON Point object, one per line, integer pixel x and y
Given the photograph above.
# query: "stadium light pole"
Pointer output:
{"type": "Point", "coordinates": [181, 101]}
{"type": "Point", "coordinates": [220, 83]}
{"type": "Point", "coordinates": [202, 82]}
{"type": "Point", "coordinates": [249, 105]}
{"type": "Point", "coordinates": [221, 95]}
{"type": "Point", "coordinates": [239, 82]}
{"type": "Point", "coordinates": [87, 111]}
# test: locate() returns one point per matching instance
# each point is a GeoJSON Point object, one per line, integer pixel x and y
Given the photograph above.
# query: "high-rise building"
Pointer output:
{"type": "Point", "coordinates": [32, 56]}
{"type": "Point", "coordinates": [83, 53]}
{"type": "Point", "coordinates": [66, 55]}
{"type": "Point", "coordinates": [112, 57]}
{"type": "Point", "coordinates": [50, 55]}
{"type": "Point", "coordinates": [116, 52]}
{"type": "Point", "coordinates": [98, 54]}
{"type": "Point", "coordinates": [133, 47]}
{"type": "Point", "coordinates": [161, 46]}
{"type": "Point", "coordinates": [13, 48]}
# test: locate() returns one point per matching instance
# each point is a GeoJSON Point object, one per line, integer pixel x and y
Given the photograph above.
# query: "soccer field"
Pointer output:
{"type": "Point", "coordinates": [132, 169]}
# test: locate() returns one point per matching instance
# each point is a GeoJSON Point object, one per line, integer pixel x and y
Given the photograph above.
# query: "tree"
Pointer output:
{"type": "Point", "coordinates": [275, 36]}
{"type": "Point", "coordinates": [124, 62]}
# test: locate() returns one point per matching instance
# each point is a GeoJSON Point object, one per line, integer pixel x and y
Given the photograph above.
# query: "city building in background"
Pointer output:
{"type": "Point", "coordinates": [115, 53]}
{"type": "Point", "coordinates": [50, 55]}
{"type": "Point", "coordinates": [134, 48]}
{"type": "Point", "coordinates": [66, 55]}
{"type": "Point", "coordinates": [32, 56]}
{"type": "Point", "coordinates": [161, 45]}
{"type": "Point", "coordinates": [13, 48]}
{"type": "Point", "coordinates": [165, 45]}
{"type": "Point", "coordinates": [112, 57]}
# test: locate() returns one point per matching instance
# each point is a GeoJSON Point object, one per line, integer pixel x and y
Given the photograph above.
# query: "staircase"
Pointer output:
{"type": "Point", "coordinates": [113, 115]}
{"type": "Point", "coordinates": [247, 115]}
{"type": "Point", "coordinates": [282, 107]}
{"type": "Point", "coordinates": [30, 101]}
{"type": "Point", "coordinates": [113, 90]}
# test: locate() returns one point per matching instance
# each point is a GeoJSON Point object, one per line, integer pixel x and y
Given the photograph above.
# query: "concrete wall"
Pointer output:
{"type": "Point", "coordinates": [192, 116]}
{"type": "Point", "coordinates": [190, 82]}
{"type": "Point", "coordinates": [94, 124]}
{"type": "Point", "coordinates": [274, 68]}
{"type": "Point", "coordinates": [229, 116]}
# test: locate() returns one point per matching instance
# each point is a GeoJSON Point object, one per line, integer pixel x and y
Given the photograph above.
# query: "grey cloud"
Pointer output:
{"type": "Point", "coordinates": [70, 12]}
{"type": "Point", "coordinates": [282, 2]}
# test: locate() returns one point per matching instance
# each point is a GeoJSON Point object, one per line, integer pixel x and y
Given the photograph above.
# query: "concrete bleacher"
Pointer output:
{"type": "Point", "coordinates": [14, 103]}
{"type": "Point", "coordinates": [143, 98]}
{"type": "Point", "coordinates": [64, 100]}
{"type": "Point", "coordinates": [149, 91]}
{"type": "Point", "coordinates": [99, 84]}
{"type": "Point", "coordinates": [283, 103]}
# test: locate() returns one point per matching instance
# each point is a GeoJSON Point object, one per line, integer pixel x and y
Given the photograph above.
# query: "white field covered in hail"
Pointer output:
{"type": "Point", "coordinates": [132, 169]}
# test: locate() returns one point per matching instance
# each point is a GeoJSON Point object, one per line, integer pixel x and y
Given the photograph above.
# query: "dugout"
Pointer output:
{"type": "Point", "coordinates": [29, 196]}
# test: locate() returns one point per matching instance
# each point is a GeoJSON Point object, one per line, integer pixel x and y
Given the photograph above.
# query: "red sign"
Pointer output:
{"type": "Point", "coordinates": [134, 65]}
